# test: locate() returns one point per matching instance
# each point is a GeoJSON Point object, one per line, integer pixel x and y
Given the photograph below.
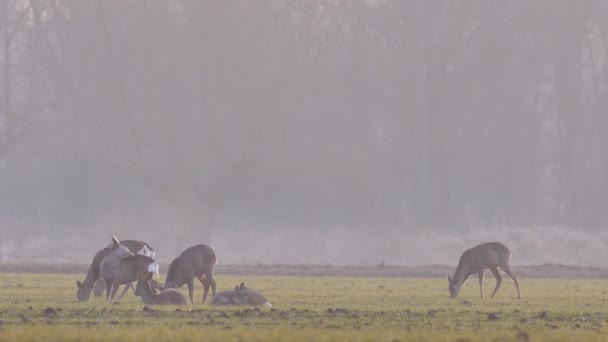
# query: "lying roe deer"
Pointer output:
{"type": "Point", "coordinates": [195, 262]}
{"type": "Point", "coordinates": [144, 290]}
{"type": "Point", "coordinates": [241, 295]}
{"type": "Point", "coordinates": [85, 287]}
{"type": "Point", "coordinates": [492, 255]}
{"type": "Point", "coordinates": [126, 273]}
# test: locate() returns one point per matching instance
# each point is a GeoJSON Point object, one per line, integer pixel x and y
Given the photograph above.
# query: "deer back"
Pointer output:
{"type": "Point", "coordinates": [127, 269]}
{"type": "Point", "coordinates": [138, 247]}
{"type": "Point", "coordinates": [150, 297]}
{"type": "Point", "coordinates": [241, 295]}
{"type": "Point", "coordinates": [231, 297]}
{"type": "Point", "coordinates": [169, 297]}
{"type": "Point", "coordinates": [201, 257]}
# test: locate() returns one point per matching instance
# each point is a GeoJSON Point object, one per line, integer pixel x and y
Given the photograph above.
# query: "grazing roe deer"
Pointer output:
{"type": "Point", "coordinates": [92, 280]}
{"type": "Point", "coordinates": [194, 262]}
{"type": "Point", "coordinates": [136, 247]}
{"type": "Point", "coordinates": [114, 252]}
{"type": "Point", "coordinates": [492, 255]}
{"type": "Point", "coordinates": [241, 295]}
{"type": "Point", "coordinates": [144, 290]}
{"type": "Point", "coordinates": [126, 273]}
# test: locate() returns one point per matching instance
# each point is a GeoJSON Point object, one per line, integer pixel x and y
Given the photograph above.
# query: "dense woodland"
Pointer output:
{"type": "Point", "coordinates": [238, 117]}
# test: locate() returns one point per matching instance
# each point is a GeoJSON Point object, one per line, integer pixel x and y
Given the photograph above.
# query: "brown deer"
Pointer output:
{"type": "Point", "coordinates": [241, 295]}
{"type": "Point", "coordinates": [195, 262]}
{"type": "Point", "coordinates": [126, 273]}
{"type": "Point", "coordinates": [492, 255]}
{"type": "Point", "coordinates": [144, 290]}
{"type": "Point", "coordinates": [92, 280]}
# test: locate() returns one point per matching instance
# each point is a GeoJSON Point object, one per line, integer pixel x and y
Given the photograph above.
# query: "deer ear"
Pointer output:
{"type": "Point", "coordinates": [449, 278]}
{"type": "Point", "coordinates": [78, 284]}
{"type": "Point", "coordinates": [236, 288]}
{"type": "Point", "coordinates": [242, 285]}
{"type": "Point", "coordinates": [115, 241]}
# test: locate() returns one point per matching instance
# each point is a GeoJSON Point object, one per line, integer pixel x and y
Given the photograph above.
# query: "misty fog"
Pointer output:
{"type": "Point", "coordinates": [322, 131]}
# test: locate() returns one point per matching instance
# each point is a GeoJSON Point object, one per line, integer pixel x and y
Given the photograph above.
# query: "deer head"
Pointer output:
{"type": "Point", "coordinates": [84, 292]}
{"type": "Point", "coordinates": [454, 286]}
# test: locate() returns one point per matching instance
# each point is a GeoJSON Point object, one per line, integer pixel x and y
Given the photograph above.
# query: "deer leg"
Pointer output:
{"type": "Point", "coordinates": [209, 276]}
{"type": "Point", "coordinates": [98, 288]}
{"type": "Point", "coordinates": [498, 280]}
{"type": "Point", "coordinates": [514, 277]}
{"type": "Point", "coordinates": [114, 290]}
{"type": "Point", "coordinates": [124, 291]}
{"type": "Point", "coordinates": [108, 291]}
{"type": "Point", "coordinates": [213, 286]}
{"type": "Point", "coordinates": [190, 283]}
{"type": "Point", "coordinates": [206, 285]}
{"type": "Point", "coordinates": [481, 276]}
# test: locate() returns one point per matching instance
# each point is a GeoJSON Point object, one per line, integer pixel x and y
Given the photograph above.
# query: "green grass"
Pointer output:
{"type": "Point", "coordinates": [313, 309]}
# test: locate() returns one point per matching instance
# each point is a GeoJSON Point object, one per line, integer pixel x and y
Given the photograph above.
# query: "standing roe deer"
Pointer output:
{"type": "Point", "coordinates": [136, 247]}
{"type": "Point", "coordinates": [93, 281]}
{"type": "Point", "coordinates": [195, 262]}
{"type": "Point", "coordinates": [492, 255]}
{"type": "Point", "coordinates": [241, 295]}
{"type": "Point", "coordinates": [126, 273]}
{"type": "Point", "coordinates": [144, 290]}
{"type": "Point", "coordinates": [117, 251]}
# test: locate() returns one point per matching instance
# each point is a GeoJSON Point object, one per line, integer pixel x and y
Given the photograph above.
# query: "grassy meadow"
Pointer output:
{"type": "Point", "coordinates": [38, 307]}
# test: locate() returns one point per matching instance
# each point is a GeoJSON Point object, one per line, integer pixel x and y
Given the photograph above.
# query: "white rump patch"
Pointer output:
{"type": "Point", "coordinates": [146, 251]}
{"type": "Point", "coordinates": [153, 267]}
{"type": "Point", "coordinates": [268, 304]}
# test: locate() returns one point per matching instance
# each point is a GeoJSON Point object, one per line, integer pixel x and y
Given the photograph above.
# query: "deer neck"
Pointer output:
{"type": "Point", "coordinates": [461, 273]}
{"type": "Point", "coordinates": [92, 275]}
{"type": "Point", "coordinates": [148, 296]}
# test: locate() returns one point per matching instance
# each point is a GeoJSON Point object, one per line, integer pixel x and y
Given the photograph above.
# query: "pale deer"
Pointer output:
{"type": "Point", "coordinates": [136, 247]}
{"type": "Point", "coordinates": [492, 255]}
{"type": "Point", "coordinates": [126, 273]}
{"type": "Point", "coordinates": [92, 280]}
{"type": "Point", "coordinates": [144, 290]}
{"type": "Point", "coordinates": [114, 254]}
{"type": "Point", "coordinates": [194, 262]}
{"type": "Point", "coordinates": [241, 295]}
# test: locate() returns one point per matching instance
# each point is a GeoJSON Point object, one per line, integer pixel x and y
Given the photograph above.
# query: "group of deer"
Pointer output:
{"type": "Point", "coordinates": [129, 261]}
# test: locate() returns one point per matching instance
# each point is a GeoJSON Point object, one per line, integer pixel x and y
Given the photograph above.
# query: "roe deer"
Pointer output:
{"type": "Point", "coordinates": [144, 290]}
{"type": "Point", "coordinates": [492, 255]}
{"type": "Point", "coordinates": [195, 262]}
{"type": "Point", "coordinates": [126, 273]}
{"type": "Point", "coordinates": [241, 295]}
{"type": "Point", "coordinates": [92, 280]}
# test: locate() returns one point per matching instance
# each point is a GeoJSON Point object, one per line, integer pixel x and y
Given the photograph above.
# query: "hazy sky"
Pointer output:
{"type": "Point", "coordinates": [351, 132]}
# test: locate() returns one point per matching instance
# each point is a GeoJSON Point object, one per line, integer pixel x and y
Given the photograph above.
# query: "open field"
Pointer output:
{"type": "Point", "coordinates": [44, 307]}
{"type": "Point", "coordinates": [542, 271]}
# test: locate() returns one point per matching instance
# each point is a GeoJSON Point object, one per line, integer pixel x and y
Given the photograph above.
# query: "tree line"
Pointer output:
{"type": "Point", "coordinates": [364, 114]}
